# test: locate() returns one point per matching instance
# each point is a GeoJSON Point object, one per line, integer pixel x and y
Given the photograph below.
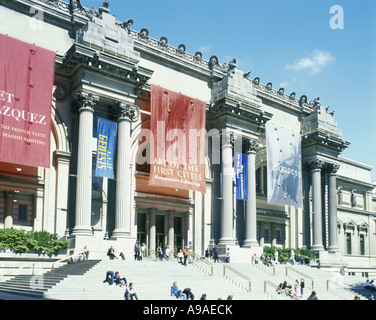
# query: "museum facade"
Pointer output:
{"type": "Point", "coordinates": [103, 69]}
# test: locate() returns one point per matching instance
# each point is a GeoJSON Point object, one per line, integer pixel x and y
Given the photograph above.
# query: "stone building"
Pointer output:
{"type": "Point", "coordinates": [105, 69]}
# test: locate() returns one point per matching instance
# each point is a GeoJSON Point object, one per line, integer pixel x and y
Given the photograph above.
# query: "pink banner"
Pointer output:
{"type": "Point", "coordinates": [26, 82]}
{"type": "Point", "coordinates": [178, 142]}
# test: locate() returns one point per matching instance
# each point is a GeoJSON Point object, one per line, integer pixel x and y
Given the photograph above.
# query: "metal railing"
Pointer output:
{"type": "Point", "coordinates": [226, 267]}
{"type": "Point", "coordinates": [301, 274]}
{"type": "Point", "coordinates": [19, 269]}
{"type": "Point", "coordinates": [68, 258]}
{"type": "Point", "coordinates": [267, 282]}
{"type": "Point", "coordinates": [198, 257]}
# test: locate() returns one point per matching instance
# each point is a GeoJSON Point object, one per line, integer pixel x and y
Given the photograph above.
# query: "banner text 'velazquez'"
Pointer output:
{"type": "Point", "coordinates": [17, 114]}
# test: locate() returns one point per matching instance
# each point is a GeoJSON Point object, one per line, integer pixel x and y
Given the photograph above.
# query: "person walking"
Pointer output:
{"type": "Point", "coordinates": [185, 253]}
{"type": "Point", "coordinates": [180, 256]}
{"type": "Point", "coordinates": [228, 255]}
{"type": "Point", "coordinates": [297, 290]}
{"type": "Point", "coordinates": [137, 251]}
{"type": "Point", "coordinates": [302, 285]}
{"type": "Point", "coordinates": [215, 255]}
{"type": "Point", "coordinates": [275, 256]}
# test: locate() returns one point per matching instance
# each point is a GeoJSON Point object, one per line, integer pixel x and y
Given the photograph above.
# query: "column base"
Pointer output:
{"type": "Point", "coordinates": [82, 231]}
{"type": "Point", "coordinates": [317, 248]}
{"type": "Point", "coordinates": [333, 249]}
{"type": "Point", "coordinates": [120, 234]}
{"type": "Point", "coordinates": [250, 244]}
{"type": "Point", "coordinates": [226, 241]}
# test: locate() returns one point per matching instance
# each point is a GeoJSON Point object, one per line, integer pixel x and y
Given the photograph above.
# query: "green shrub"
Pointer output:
{"type": "Point", "coordinates": [41, 242]}
{"type": "Point", "coordinates": [284, 253]}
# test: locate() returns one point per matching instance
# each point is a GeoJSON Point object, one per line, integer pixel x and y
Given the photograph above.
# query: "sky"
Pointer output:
{"type": "Point", "coordinates": [324, 48]}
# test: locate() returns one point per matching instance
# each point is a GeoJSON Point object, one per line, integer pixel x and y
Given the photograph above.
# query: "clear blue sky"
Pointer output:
{"type": "Point", "coordinates": [287, 42]}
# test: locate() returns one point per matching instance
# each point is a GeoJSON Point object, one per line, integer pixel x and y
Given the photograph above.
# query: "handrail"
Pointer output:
{"type": "Point", "coordinates": [253, 262]}
{"type": "Point", "coordinates": [203, 260]}
{"type": "Point", "coordinates": [301, 273]}
{"type": "Point", "coordinates": [270, 284]}
{"type": "Point", "coordinates": [19, 269]}
{"type": "Point", "coordinates": [67, 258]}
{"type": "Point", "coordinates": [239, 274]}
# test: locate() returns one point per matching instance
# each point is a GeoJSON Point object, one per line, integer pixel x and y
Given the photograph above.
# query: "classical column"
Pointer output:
{"type": "Point", "coordinates": [227, 192]}
{"type": "Point", "coordinates": [128, 113]}
{"type": "Point", "coordinates": [62, 160]}
{"type": "Point", "coordinates": [332, 195]}
{"type": "Point", "coordinates": [251, 213]}
{"type": "Point", "coordinates": [171, 231]}
{"type": "Point", "coordinates": [86, 103]}
{"type": "Point", "coordinates": [316, 166]}
{"type": "Point", "coordinates": [8, 220]}
{"type": "Point", "coordinates": [152, 230]}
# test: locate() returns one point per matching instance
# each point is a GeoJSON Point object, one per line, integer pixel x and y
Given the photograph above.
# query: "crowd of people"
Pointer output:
{"type": "Point", "coordinates": [295, 291]}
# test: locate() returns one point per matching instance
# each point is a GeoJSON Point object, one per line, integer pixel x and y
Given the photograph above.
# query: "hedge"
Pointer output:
{"type": "Point", "coordinates": [284, 254]}
{"type": "Point", "coordinates": [42, 242]}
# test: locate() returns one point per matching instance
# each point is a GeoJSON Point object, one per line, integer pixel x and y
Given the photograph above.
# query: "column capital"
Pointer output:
{"type": "Point", "coordinates": [332, 168]}
{"type": "Point", "coordinates": [85, 101]}
{"type": "Point", "coordinates": [127, 111]}
{"type": "Point", "coordinates": [252, 146]}
{"type": "Point", "coordinates": [228, 138]}
{"type": "Point", "coordinates": [316, 164]}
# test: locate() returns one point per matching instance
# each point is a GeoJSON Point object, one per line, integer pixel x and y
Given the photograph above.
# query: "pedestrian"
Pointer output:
{"type": "Point", "coordinates": [313, 296]}
{"type": "Point", "coordinates": [180, 256]}
{"type": "Point", "coordinates": [299, 260]}
{"type": "Point", "coordinates": [137, 251]}
{"type": "Point", "coordinates": [167, 253]}
{"type": "Point", "coordinates": [302, 285]}
{"type": "Point", "coordinates": [275, 256]}
{"type": "Point", "coordinates": [160, 253]}
{"type": "Point", "coordinates": [297, 289]}
{"type": "Point", "coordinates": [228, 255]}
{"type": "Point", "coordinates": [215, 254]}
{"type": "Point", "coordinates": [185, 253]}
{"type": "Point", "coordinates": [119, 280]}
{"type": "Point", "coordinates": [207, 254]}
{"type": "Point", "coordinates": [123, 254]}
{"type": "Point", "coordinates": [109, 277]}
{"type": "Point", "coordinates": [292, 256]}
{"type": "Point", "coordinates": [111, 253]}
{"type": "Point", "coordinates": [143, 250]}
{"type": "Point", "coordinates": [203, 297]}
{"type": "Point", "coordinates": [188, 292]}
{"type": "Point", "coordinates": [130, 292]}
{"type": "Point", "coordinates": [176, 292]}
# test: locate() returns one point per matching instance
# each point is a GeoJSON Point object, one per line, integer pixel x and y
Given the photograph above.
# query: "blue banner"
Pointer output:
{"type": "Point", "coordinates": [107, 134]}
{"type": "Point", "coordinates": [241, 170]}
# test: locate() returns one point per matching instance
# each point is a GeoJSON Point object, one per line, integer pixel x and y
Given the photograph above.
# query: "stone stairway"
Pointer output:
{"type": "Point", "coordinates": [36, 286]}
{"type": "Point", "coordinates": [152, 281]}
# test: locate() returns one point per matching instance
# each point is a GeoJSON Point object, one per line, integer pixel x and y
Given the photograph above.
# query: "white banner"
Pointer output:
{"type": "Point", "coordinates": [284, 158]}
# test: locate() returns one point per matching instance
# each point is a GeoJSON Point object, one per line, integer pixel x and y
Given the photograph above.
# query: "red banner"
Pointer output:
{"type": "Point", "coordinates": [26, 81]}
{"type": "Point", "coordinates": [178, 141]}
